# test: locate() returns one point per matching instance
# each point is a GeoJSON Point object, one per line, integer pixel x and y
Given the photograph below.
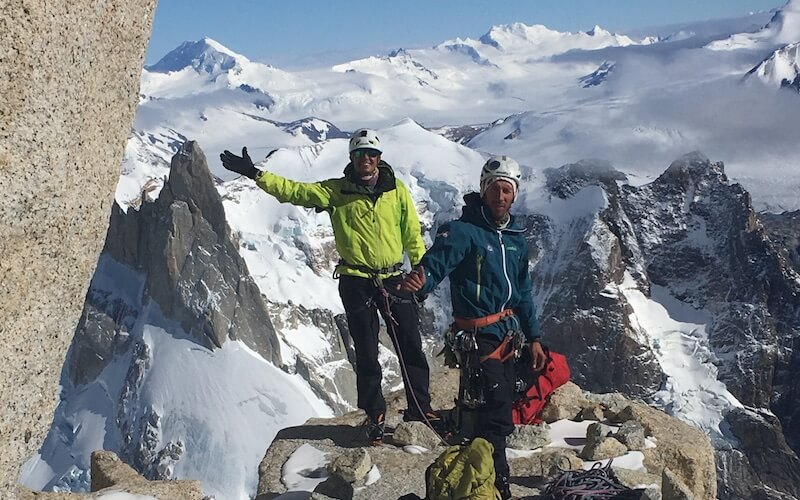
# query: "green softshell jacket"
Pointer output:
{"type": "Point", "coordinates": [463, 472]}
{"type": "Point", "coordinates": [371, 227]}
{"type": "Point", "coordinates": [488, 269]}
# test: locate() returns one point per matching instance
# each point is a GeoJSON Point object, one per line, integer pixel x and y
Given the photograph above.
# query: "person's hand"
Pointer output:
{"type": "Point", "coordinates": [242, 165]}
{"type": "Point", "coordinates": [414, 281]}
{"type": "Point", "coordinates": [538, 357]}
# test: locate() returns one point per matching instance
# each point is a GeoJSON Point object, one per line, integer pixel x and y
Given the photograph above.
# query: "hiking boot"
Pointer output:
{"type": "Point", "coordinates": [503, 486]}
{"type": "Point", "coordinates": [375, 427]}
{"type": "Point", "coordinates": [430, 415]}
{"type": "Point", "coordinates": [431, 418]}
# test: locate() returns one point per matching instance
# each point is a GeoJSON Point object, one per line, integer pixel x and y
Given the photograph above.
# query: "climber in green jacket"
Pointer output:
{"type": "Point", "coordinates": [374, 221]}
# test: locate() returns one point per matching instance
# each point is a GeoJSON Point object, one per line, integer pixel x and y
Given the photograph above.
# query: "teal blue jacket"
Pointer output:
{"type": "Point", "coordinates": [488, 269]}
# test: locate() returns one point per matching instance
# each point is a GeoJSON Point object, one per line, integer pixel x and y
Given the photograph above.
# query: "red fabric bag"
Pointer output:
{"type": "Point", "coordinates": [527, 409]}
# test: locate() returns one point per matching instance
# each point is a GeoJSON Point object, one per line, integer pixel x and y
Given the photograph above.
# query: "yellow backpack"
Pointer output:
{"type": "Point", "coordinates": [463, 472]}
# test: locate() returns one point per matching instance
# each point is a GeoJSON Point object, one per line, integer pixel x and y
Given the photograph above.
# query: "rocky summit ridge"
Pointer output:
{"type": "Point", "coordinates": [675, 456]}
{"type": "Point", "coordinates": [689, 242]}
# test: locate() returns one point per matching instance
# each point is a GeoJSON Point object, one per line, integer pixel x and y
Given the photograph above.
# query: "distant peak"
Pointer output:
{"type": "Point", "coordinates": [501, 34]}
{"type": "Point", "coordinates": [784, 26]}
{"type": "Point", "coordinates": [407, 122]}
{"type": "Point", "coordinates": [213, 44]}
{"type": "Point", "coordinates": [205, 55]}
{"type": "Point", "coordinates": [597, 30]}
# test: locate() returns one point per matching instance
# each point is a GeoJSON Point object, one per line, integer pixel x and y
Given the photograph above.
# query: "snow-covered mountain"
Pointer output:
{"type": "Point", "coordinates": [204, 56]}
{"type": "Point", "coordinates": [783, 28]}
{"type": "Point", "coordinates": [624, 251]}
{"type": "Point", "coordinates": [538, 41]}
{"type": "Point", "coordinates": [665, 99]}
{"type": "Point", "coordinates": [206, 66]}
{"type": "Point", "coordinates": [781, 68]}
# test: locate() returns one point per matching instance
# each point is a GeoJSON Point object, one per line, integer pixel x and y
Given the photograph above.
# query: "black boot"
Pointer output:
{"type": "Point", "coordinates": [375, 427]}
{"type": "Point", "coordinates": [503, 486]}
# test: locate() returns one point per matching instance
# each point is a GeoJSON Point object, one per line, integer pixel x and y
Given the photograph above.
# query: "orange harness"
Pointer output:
{"type": "Point", "coordinates": [476, 323]}
{"type": "Point", "coordinates": [500, 353]}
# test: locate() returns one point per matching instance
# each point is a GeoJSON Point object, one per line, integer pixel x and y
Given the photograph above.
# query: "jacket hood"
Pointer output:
{"type": "Point", "coordinates": [475, 212]}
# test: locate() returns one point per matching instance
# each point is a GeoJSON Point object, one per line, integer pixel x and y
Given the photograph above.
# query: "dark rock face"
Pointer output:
{"type": "Point", "coordinates": [766, 454]}
{"type": "Point", "coordinates": [598, 76]}
{"type": "Point", "coordinates": [693, 235]}
{"type": "Point", "coordinates": [104, 327]}
{"type": "Point", "coordinates": [187, 262]}
{"type": "Point", "coordinates": [699, 239]}
{"type": "Point", "coordinates": [176, 253]}
{"type": "Point", "coordinates": [571, 279]}
{"type": "Point", "coordinates": [705, 244]}
{"type": "Point", "coordinates": [569, 179]}
{"type": "Point", "coordinates": [784, 230]}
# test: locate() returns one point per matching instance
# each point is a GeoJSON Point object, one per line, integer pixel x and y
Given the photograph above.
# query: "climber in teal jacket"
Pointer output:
{"type": "Point", "coordinates": [486, 256]}
{"type": "Point", "coordinates": [488, 269]}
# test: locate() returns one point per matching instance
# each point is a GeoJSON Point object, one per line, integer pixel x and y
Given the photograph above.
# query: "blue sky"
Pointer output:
{"type": "Point", "coordinates": [305, 32]}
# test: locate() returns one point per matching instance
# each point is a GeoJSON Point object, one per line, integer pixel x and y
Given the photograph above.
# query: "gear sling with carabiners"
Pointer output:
{"type": "Point", "coordinates": [461, 350]}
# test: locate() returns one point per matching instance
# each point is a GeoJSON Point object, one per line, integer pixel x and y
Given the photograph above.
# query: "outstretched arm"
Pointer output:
{"type": "Point", "coordinates": [304, 194]}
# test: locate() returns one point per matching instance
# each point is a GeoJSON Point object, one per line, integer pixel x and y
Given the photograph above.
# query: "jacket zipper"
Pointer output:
{"type": "Point", "coordinates": [505, 268]}
{"type": "Point", "coordinates": [478, 287]}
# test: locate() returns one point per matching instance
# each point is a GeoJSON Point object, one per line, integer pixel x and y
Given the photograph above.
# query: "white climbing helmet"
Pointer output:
{"type": "Point", "coordinates": [500, 168]}
{"type": "Point", "coordinates": [365, 138]}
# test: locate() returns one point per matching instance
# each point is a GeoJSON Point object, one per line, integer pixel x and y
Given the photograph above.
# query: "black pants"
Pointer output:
{"type": "Point", "coordinates": [494, 417]}
{"type": "Point", "coordinates": [362, 301]}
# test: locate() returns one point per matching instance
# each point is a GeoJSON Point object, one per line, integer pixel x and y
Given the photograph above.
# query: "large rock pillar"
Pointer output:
{"type": "Point", "coordinates": [69, 85]}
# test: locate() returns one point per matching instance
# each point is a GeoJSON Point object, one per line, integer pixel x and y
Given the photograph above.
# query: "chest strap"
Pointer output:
{"type": "Point", "coordinates": [478, 323]}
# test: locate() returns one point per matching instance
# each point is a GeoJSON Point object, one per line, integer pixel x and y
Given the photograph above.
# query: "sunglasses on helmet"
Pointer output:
{"type": "Point", "coordinates": [371, 153]}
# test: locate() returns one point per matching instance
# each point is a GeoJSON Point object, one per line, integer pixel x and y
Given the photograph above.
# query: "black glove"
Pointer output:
{"type": "Point", "coordinates": [240, 164]}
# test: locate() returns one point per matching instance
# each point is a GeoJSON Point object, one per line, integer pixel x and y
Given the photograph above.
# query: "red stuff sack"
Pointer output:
{"type": "Point", "coordinates": [534, 388]}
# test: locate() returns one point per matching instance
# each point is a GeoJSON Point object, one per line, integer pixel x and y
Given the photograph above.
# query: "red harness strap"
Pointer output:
{"type": "Point", "coordinates": [500, 353]}
{"type": "Point", "coordinates": [476, 323]}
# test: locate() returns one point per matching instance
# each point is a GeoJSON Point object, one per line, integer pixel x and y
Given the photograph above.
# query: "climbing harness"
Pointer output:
{"type": "Point", "coordinates": [478, 323]}
{"type": "Point", "coordinates": [461, 351]}
{"type": "Point", "coordinates": [372, 273]}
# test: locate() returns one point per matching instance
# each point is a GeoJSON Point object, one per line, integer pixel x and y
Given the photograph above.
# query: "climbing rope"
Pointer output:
{"type": "Point", "coordinates": [597, 483]}
{"type": "Point", "coordinates": [391, 328]}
